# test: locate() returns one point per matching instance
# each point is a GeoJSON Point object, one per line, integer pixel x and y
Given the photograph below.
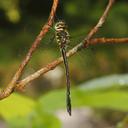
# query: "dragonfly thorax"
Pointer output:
{"type": "Point", "coordinates": [62, 35]}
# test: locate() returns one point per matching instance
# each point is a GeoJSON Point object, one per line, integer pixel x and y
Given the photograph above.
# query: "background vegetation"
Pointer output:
{"type": "Point", "coordinates": [21, 21]}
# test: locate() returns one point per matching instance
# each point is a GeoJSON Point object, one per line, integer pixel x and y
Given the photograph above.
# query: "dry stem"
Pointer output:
{"type": "Point", "coordinates": [101, 20]}
{"type": "Point", "coordinates": [84, 44]}
{"type": "Point", "coordinates": [10, 87]}
{"type": "Point", "coordinates": [71, 52]}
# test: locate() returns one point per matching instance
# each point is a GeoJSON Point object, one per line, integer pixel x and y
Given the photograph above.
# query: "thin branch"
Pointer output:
{"type": "Point", "coordinates": [73, 51]}
{"type": "Point", "coordinates": [9, 89]}
{"type": "Point", "coordinates": [108, 41]}
{"type": "Point", "coordinates": [100, 22]}
{"type": "Point", "coordinates": [84, 44]}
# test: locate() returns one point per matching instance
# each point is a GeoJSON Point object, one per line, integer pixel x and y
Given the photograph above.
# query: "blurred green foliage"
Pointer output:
{"type": "Point", "coordinates": [16, 105]}
{"type": "Point", "coordinates": [21, 21]}
{"type": "Point", "coordinates": [20, 111]}
{"type": "Point", "coordinates": [11, 10]}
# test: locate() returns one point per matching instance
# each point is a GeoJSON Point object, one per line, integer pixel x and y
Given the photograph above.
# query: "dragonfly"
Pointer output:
{"type": "Point", "coordinates": [63, 39]}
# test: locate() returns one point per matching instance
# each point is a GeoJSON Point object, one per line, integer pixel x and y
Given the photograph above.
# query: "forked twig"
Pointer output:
{"type": "Point", "coordinates": [85, 43]}
{"type": "Point", "coordinates": [58, 61]}
{"type": "Point", "coordinates": [10, 87]}
{"type": "Point", "coordinates": [101, 21]}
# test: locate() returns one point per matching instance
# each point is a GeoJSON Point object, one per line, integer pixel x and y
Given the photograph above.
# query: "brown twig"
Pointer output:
{"type": "Point", "coordinates": [86, 42]}
{"type": "Point", "coordinates": [100, 22]}
{"type": "Point", "coordinates": [108, 41]}
{"type": "Point", "coordinates": [74, 50]}
{"type": "Point", "coordinates": [9, 89]}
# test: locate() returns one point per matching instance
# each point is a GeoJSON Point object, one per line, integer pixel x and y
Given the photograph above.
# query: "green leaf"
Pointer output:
{"type": "Point", "coordinates": [116, 100]}
{"type": "Point", "coordinates": [52, 101]}
{"type": "Point", "coordinates": [37, 119]}
{"type": "Point", "coordinates": [99, 93]}
{"type": "Point", "coordinates": [40, 119]}
{"type": "Point", "coordinates": [102, 99]}
{"type": "Point", "coordinates": [16, 106]}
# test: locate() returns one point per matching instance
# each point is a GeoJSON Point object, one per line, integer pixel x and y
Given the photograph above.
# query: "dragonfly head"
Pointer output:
{"type": "Point", "coordinates": [60, 26]}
